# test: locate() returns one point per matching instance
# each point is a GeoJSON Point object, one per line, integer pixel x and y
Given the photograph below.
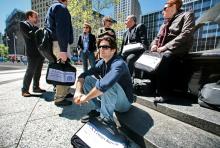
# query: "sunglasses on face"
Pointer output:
{"type": "Point", "coordinates": [167, 6]}
{"type": "Point", "coordinates": [104, 46]}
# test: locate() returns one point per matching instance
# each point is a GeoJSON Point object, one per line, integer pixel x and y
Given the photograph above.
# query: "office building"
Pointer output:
{"type": "Point", "coordinates": [125, 8]}
{"type": "Point", "coordinates": [208, 37]}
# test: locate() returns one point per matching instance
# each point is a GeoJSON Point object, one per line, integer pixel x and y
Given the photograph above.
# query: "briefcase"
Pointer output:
{"type": "Point", "coordinates": [148, 61]}
{"type": "Point", "coordinates": [59, 73]}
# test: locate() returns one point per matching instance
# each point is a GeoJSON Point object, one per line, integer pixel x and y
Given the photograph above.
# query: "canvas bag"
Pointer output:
{"type": "Point", "coordinates": [148, 61]}
{"type": "Point", "coordinates": [59, 73]}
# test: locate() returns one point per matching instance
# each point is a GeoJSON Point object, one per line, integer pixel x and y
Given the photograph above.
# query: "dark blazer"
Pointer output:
{"type": "Point", "coordinates": [138, 34]}
{"type": "Point", "coordinates": [92, 42]}
{"type": "Point", "coordinates": [179, 39]}
{"type": "Point", "coordinates": [28, 31]}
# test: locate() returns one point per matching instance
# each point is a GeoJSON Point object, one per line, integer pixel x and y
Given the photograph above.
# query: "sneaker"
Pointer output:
{"type": "Point", "coordinates": [110, 125]}
{"type": "Point", "coordinates": [91, 114]}
{"type": "Point", "coordinates": [26, 94]}
{"type": "Point", "coordinates": [63, 103]}
{"type": "Point", "coordinates": [69, 95]}
{"type": "Point", "coordinates": [39, 90]}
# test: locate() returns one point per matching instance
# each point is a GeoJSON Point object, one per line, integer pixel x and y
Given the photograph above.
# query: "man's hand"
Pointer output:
{"type": "Point", "coordinates": [63, 56]}
{"type": "Point", "coordinates": [153, 48]}
{"type": "Point", "coordinates": [161, 49]}
{"type": "Point", "coordinates": [80, 99]}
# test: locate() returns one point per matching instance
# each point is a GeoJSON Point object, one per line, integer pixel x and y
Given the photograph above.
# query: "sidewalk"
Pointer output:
{"type": "Point", "coordinates": [36, 122]}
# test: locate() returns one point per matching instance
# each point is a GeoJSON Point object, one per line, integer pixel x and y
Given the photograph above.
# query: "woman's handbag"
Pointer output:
{"type": "Point", "coordinates": [148, 61]}
{"type": "Point", "coordinates": [59, 73]}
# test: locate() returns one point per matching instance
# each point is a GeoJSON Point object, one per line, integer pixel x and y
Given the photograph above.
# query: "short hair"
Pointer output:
{"type": "Point", "coordinates": [30, 13]}
{"type": "Point", "coordinates": [111, 40]}
{"type": "Point", "coordinates": [88, 25]}
{"type": "Point", "coordinates": [178, 3]}
{"type": "Point", "coordinates": [106, 18]}
{"type": "Point", "coordinates": [133, 17]}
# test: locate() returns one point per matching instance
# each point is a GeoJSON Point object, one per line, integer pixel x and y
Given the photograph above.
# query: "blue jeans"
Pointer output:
{"type": "Point", "coordinates": [88, 56]}
{"type": "Point", "coordinates": [114, 99]}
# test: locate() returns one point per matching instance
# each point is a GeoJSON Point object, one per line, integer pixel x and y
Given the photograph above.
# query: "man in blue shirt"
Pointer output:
{"type": "Point", "coordinates": [58, 20]}
{"type": "Point", "coordinates": [112, 91]}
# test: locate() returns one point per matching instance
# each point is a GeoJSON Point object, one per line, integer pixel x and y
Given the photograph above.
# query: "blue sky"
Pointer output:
{"type": "Point", "coordinates": [7, 6]}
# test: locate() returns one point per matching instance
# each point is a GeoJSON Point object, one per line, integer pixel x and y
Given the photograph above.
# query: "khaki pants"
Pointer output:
{"type": "Point", "coordinates": [61, 90]}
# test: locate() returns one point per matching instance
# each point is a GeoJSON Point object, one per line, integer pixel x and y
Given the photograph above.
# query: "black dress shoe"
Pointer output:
{"type": "Point", "coordinates": [90, 115]}
{"type": "Point", "coordinates": [39, 90]}
{"type": "Point", "coordinates": [69, 95]}
{"type": "Point", "coordinates": [63, 103]}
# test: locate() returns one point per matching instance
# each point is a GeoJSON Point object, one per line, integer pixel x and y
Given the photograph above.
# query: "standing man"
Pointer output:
{"type": "Point", "coordinates": [134, 34]}
{"type": "Point", "coordinates": [87, 46]}
{"type": "Point", "coordinates": [112, 91]}
{"type": "Point", "coordinates": [34, 58]}
{"type": "Point", "coordinates": [58, 20]}
{"type": "Point", "coordinates": [173, 41]}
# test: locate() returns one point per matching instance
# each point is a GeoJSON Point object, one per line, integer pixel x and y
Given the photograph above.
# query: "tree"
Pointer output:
{"type": "Point", "coordinates": [90, 11]}
{"type": "Point", "coordinates": [3, 50]}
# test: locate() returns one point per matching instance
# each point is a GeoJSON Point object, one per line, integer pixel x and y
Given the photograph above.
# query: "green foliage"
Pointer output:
{"type": "Point", "coordinates": [3, 50]}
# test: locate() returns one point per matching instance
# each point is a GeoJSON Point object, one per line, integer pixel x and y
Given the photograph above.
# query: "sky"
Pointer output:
{"type": "Point", "coordinates": [7, 6]}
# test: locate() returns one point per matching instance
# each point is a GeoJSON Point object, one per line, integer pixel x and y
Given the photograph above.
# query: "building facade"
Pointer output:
{"type": "Point", "coordinates": [125, 8]}
{"type": "Point", "coordinates": [14, 38]}
{"type": "Point", "coordinates": [206, 38]}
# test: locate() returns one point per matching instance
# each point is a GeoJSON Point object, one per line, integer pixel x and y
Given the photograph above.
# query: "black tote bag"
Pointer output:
{"type": "Point", "coordinates": [59, 73]}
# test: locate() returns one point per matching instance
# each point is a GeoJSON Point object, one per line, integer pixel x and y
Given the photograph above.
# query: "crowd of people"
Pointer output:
{"type": "Point", "coordinates": [107, 83]}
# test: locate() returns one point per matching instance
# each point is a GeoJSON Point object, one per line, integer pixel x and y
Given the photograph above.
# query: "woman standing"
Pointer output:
{"type": "Point", "coordinates": [87, 46]}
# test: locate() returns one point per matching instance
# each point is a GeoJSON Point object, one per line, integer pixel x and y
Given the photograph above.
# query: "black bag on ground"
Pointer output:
{"type": "Point", "coordinates": [143, 87]}
{"type": "Point", "coordinates": [59, 73]}
{"type": "Point", "coordinates": [148, 61]}
{"type": "Point", "coordinates": [94, 134]}
{"type": "Point", "coordinates": [209, 96]}
{"type": "Point", "coordinates": [44, 43]}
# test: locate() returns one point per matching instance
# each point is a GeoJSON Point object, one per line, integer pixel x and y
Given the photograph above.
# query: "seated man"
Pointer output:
{"type": "Point", "coordinates": [112, 91]}
{"type": "Point", "coordinates": [173, 41]}
{"type": "Point", "coordinates": [136, 33]}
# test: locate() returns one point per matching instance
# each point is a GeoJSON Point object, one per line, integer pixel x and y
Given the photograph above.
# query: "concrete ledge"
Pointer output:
{"type": "Point", "coordinates": [149, 128]}
{"type": "Point", "coordinates": [186, 110]}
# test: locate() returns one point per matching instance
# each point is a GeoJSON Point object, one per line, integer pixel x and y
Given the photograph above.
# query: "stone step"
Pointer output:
{"type": "Point", "coordinates": [186, 110]}
{"type": "Point", "coordinates": [150, 128]}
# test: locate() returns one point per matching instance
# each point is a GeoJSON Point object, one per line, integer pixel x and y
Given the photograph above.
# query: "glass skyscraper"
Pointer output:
{"type": "Point", "coordinates": [206, 38]}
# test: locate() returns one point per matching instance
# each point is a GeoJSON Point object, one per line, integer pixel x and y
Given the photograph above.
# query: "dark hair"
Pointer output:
{"type": "Point", "coordinates": [178, 3]}
{"type": "Point", "coordinates": [30, 13]}
{"type": "Point", "coordinates": [111, 41]}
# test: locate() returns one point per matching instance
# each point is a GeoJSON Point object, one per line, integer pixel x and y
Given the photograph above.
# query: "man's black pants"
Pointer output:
{"type": "Point", "coordinates": [33, 70]}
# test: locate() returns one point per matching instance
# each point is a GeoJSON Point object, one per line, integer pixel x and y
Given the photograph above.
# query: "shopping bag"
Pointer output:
{"type": "Point", "coordinates": [59, 73]}
{"type": "Point", "coordinates": [94, 134]}
{"type": "Point", "coordinates": [148, 61]}
{"type": "Point", "coordinates": [132, 48]}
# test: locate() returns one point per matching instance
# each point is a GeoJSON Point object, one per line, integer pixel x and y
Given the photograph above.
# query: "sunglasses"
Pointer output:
{"type": "Point", "coordinates": [167, 6]}
{"type": "Point", "coordinates": [104, 47]}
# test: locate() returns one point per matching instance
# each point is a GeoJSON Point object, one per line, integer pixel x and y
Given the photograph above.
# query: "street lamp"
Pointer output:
{"type": "Point", "coordinates": [15, 37]}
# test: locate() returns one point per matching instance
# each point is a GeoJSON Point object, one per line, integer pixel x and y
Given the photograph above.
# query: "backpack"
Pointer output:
{"type": "Point", "coordinates": [209, 96]}
{"type": "Point", "coordinates": [44, 43]}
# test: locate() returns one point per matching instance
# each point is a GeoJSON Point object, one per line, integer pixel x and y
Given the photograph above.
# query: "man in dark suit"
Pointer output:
{"type": "Point", "coordinates": [34, 58]}
{"type": "Point", "coordinates": [136, 33]}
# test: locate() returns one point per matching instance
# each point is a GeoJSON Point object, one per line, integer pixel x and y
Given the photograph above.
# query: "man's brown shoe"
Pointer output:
{"type": "Point", "coordinates": [25, 94]}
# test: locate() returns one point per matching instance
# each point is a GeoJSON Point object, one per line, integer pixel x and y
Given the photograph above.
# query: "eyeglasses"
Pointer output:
{"type": "Point", "coordinates": [104, 47]}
